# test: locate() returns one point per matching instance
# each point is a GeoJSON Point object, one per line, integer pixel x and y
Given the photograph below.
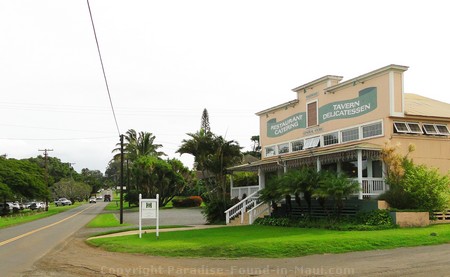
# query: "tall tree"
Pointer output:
{"type": "Point", "coordinates": [205, 122]}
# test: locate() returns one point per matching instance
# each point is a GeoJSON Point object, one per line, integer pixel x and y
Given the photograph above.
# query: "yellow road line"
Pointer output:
{"type": "Point", "coordinates": [42, 228]}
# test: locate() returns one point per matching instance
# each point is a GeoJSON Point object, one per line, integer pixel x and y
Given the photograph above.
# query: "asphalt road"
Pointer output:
{"type": "Point", "coordinates": [22, 245]}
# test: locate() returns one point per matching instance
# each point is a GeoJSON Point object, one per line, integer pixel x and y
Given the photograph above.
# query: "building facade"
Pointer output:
{"type": "Point", "coordinates": [343, 125]}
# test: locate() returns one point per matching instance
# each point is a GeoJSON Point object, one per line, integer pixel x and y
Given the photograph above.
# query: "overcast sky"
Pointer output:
{"type": "Point", "coordinates": [168, 60]}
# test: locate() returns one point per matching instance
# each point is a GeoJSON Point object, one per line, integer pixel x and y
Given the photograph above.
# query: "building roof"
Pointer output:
{"type": "Point", "coordinates": [310, 155]}
{"type": "Point", "coordinates": [423, 106]}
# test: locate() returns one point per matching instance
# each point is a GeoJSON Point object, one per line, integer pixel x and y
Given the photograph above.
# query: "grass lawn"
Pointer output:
{"type": "Point", "coordinates": [271, 242]}
{"type": "Point", "coordinates": [28, 215]}
{"type": "Point", "coordinates": [104, 221]}
{"type": "Point", "coordinates": [114, 205]}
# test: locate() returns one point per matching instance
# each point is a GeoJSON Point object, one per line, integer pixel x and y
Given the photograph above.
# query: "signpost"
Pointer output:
{"type": "Point", "coordinates": [149, 208]}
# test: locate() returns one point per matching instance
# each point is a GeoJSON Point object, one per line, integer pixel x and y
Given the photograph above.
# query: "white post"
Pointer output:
{"type": "Point", "coordinates": [231, 186]}
{"type": "Point", "coordinates": [360, 196]}
{"type": "Point", "coordinates": [140, 216]}
{"type": "Point", "coordinates": [157, 216]}
{"type": "Point", "coordinates": [261, 179]}
{"type": "Point", "coordinates": [318, 164]}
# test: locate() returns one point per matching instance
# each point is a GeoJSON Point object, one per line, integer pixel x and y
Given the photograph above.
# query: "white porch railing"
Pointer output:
{"type": "Point", "coordinates": [372, 186]}
{"type": "Point", "coordinates": [242, 207]}
{"type": "Point", "coordinates": [238, 192]}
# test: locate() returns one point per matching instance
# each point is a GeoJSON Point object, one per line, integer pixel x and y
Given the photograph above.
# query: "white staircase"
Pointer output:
{"type": "Point", "coordinates": [247, 210]}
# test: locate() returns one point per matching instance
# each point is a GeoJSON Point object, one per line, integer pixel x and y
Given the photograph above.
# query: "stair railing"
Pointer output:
{"type": "Point", "coordinates": [242, 207]}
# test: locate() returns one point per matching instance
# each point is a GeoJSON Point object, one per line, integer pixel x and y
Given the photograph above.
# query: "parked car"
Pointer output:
{"type": "Point", "coordinates": [63, 202]}
{"type": "Point", "coordinates": [5, 207]}
{"type": "Point", "coordinates": [36, 206]}
{"type": "Point", "coordinates": [92, 200]}
{"type": "Point", "coordinates": [15, 206]}
{"type": "Point", "coordinates": [100, 197]}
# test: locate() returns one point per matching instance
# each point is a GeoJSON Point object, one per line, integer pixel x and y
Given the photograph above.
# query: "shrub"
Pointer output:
{"type": "Point", "coordinates": [332, 223]}
{"type": "Point", "coordinates": [192, 201]}
{"type": "Point", "coordinates": [214, 210]}
{"type": "Point", "coordinates": [374, 218]}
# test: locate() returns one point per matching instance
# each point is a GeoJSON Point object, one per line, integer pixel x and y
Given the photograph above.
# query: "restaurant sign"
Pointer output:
{"type": "Point", "coordinates": [276, 129]}
{"type": "Point", "coordinates": [365, 103]}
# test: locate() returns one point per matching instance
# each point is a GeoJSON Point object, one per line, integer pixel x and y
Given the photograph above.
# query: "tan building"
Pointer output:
{"type": "Point", "coordinates": [342, 126]}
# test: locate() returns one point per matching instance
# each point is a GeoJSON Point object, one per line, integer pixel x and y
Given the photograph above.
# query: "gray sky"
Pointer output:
{"type": "Point", "coordinates": [167, 60]}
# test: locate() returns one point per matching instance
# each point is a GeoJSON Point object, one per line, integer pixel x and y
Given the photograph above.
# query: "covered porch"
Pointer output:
{"type": "Point", "coordinates": [360, 162]}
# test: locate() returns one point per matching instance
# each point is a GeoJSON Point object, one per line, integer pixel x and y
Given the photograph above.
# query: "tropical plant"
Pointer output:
{"type": "Point", "coordinates": [272, 193]}
{"type": "Point", "coordinates": [337, 187]}
{"type": "Point", "coordinates": [413, 186]}
{"type": "Point", "coordinates": [155, 176]}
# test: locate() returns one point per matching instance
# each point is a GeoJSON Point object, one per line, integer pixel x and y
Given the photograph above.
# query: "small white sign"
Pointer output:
{"type": "Point", "coordinates": [148, 208]}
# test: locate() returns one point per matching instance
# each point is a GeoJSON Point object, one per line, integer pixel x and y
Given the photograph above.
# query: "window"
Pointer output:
{"type": "Point", "coordinates": [429, 129]}
{"type": "Point", "coordinates": [312, 142]}
{"type": "Point", "coordinates": [297, 145]}
{"type": "Point", "coordinates": [312, 113]}
{"type": "Point", "coordinates": [270, 151]}
{"type": "Point", "coordinates": [372, 130]}
{"type": "Point", "coordinates": [407, 127]}
{"type": "Point", "coordinates": [414, 128]}
{"type": "Point", "coordinates": [401, 127]}
{"type": "Point", "coordinates": [442, 129]}
{"type": "Point", "coordinates": [350, 134]}
{"type": "Point", "coordinates": [283, 148]}
{"type": "Point", "coordinates": [436, 129]}
{"type": "Point", "coordinates": [330, 139]}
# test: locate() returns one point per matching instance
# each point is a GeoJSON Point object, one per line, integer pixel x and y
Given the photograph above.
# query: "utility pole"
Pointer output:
{"type": "Point", "coordinates": [70, 169]}
{"type": "Point", "coordinates": [121, 179]}
{"type": "Point", "coordinates": [46, 172]}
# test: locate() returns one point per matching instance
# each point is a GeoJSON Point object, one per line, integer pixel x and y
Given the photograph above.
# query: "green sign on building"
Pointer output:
{"type": "Point", "coordinates": [276, 129]}
{"type": "Point", "coordinates": [365, 103]}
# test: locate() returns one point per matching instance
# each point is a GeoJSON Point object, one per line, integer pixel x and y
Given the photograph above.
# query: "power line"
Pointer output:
{"type": "Point", "coordinates": [103, 68]}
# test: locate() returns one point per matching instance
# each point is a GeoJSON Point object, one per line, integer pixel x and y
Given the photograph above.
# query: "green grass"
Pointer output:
{"type": "Point", "coordinates": [137, 228]}
{"type": "Point", "coordinates": [271, 242]}
{"type": "Point", "coordinates": [105, 221]}
{"type": "Point", "coordinates": [114, 205]}
{"type": "Point", "coordinates": [28, 215]}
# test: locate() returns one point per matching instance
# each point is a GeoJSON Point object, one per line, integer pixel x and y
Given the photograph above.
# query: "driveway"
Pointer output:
{"type": "Point", "coordinates": [184, 216]}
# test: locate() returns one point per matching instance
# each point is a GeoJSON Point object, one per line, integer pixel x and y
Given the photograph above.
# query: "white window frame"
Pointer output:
{"type": "Point", "coordinates": [442, 133]}
{"type": "Point", "coordinates": [292, 146]}
{"type": "Point", "coordinates": [274, 151]}
{"type": "Point", "coordinates": [411, 130]}
{"type": "Point", "coordinates": [436, 132]}
{"type": "Point", "coordinates": [311, 142]}
{"type": "Point", "coordinates": [408, 127]}
{"type": "Point", "coordinates": [332, 133]}
{"type": "Point", "coordinates": [370, 124]}
{"type": "Point", "coordinates": [350, 129]}
{"type": "Point", "coordinates": [282, 145]}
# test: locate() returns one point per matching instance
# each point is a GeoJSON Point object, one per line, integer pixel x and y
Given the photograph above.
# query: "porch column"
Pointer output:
{"type": "Point", "coordinates": [360, 174]}
{"type": "Point", "coordinates": [261, 179]}
{"type": "Point", "coordinates": [231, 186]}
{"type": "Point", "coordinates": [318, 164]}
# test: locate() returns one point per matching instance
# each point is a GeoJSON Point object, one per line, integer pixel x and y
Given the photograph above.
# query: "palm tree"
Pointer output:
{"type": "Point", "coordinates": [337, 188]}
{"type": "Point", "coordinates": [212, 155]}
{"type": "Point", "coordinates": [200, 145]}
{"type": "Point", "coordinates": [305, 180]}
{"type": "Point", "coordinates": [137, 145]}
